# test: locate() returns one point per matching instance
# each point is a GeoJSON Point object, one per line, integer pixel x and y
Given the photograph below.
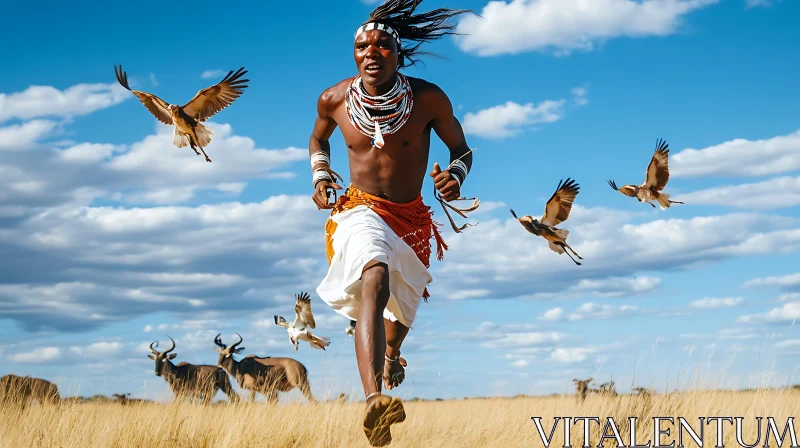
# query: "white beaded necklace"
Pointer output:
{"type": "Point", "coordinates": [399, 101]}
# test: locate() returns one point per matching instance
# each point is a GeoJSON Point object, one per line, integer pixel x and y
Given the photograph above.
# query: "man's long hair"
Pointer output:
{"type": "Point", "coordinates": [419, 28]}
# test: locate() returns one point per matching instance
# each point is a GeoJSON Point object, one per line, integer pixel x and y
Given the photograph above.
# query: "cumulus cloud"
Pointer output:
{"type": "Point", "coordinates": [790, 281]}
{"type": "Point", "coordinates": [47, 101]}
{"type": "Point", "coordinates": [774, 193]}
{"type": "Point", "coordinates": [712, 303]}
{"type": "Point", "coordinates": [757, 3]}
{"type": "Point", "coordinates": [564, 26]}
{"type": "Point", "coordinates": [127, 262]}
{"type": "Point", "coordinates": [740, 157]}
{"type": "Point", "coordinates": [36, 356]}
{"type": "Point", "coordinates": [784, 314]}
{"type": "Point", "coordinates": [511, 118]}
{"type": "Point", "coordinates": [500, 256]}
{"type": "Point", "coordinates": [151, 171]}
{"type": "Point", "coordinates": [98, 349]}
{"type": "Point", "coordinates": [19, 137]}
{"type": "Point", "coordinates": [590, 311]}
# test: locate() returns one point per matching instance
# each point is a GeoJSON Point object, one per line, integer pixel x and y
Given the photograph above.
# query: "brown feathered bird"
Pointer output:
{"type": "Point", "coordinates": [186, 119]}
{"type": "Point", "coordinates": [656, 180]}
{"type": "Point", "coordinates": [556, 211]}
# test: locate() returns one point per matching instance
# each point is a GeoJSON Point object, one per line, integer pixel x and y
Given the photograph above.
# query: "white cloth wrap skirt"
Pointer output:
{"type": "Point", "coordinates": [362, 236]}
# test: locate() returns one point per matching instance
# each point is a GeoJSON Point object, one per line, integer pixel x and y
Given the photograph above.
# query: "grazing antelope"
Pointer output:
{"type": "Point", "coordinates": [657, 176]}
{"type": "Point", "coordinates": [186, 119]}
{"type": "Point", "coordinates": [580, 388]}
{"type": "Point", "coordinates": [303, 318]}
{"type": "Point", "coordinates": [23, 390]}
{"type": "Point", "coordinates": [607, 389]}
{"type": "Point", "coordinates": [189, 380]}
{"type": "Point", "coordinates": [267, 376]}
{"type": "Point", "coordinates": [556, 211]}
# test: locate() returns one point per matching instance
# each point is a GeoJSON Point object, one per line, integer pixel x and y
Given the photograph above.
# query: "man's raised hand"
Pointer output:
{"type": "Point", "coordinates": [445, 183]}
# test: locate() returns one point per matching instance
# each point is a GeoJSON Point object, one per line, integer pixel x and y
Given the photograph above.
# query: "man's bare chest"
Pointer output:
{"type": "Point", "coordinates": [415, 129]}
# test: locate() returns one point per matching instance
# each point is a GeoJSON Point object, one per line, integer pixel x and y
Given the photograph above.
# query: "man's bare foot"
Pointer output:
{"type": "Point", "coordinates": [381, 413]}
{"type": "Point", "coordinates": [394, 372]}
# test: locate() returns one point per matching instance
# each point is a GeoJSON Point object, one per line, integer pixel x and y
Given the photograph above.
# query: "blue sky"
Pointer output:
{"type": "Point", "coordinates": [112, 238]}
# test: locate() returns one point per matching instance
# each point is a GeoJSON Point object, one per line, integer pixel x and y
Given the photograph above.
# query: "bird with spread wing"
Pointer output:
{"type": "Point", "coordinates": [655, 181]}
{"type": "Point", "coordinates": [187, 118]}
{"type": "Point", "coordinates": [351, 329]}
{"type": "Point", "coordinates": [298, 330]}
{"type": "Point", "coordinates": [556, 211]}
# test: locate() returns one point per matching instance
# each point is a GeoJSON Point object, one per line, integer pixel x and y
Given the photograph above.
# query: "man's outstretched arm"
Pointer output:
{"type": "Point", "coordinates": [319, 151]}
{"type": "Point", "coordinates": [449, 130]}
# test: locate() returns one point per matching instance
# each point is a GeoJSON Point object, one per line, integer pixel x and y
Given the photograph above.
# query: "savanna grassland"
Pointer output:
{"type": "Point", "coordinates": [486, 422]}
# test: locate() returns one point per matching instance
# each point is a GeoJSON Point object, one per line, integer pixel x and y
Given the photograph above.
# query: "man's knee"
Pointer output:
{"type": "Point", "coordinates": [375, 281]}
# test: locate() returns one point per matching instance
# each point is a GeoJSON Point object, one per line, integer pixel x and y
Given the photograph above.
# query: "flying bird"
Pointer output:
{"type": "Point", "coordinates": [555, 212]}
{"type": "Point", "coordinates": [303, 319]}
{"type": "Point", "coordinates": [656, 180]}
{"type": "Point", "coordinates": [351, 329]}
{"type": "Point", "coordinates": [187, 118]}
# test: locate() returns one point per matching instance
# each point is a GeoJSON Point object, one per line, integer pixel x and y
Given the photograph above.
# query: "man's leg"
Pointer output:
{"type": "Point", "coordinates": [370, 340]}
{"type": "Point", "coordinates": [393, 371]}
{"type": "Point", "coordinates": [370, 333]}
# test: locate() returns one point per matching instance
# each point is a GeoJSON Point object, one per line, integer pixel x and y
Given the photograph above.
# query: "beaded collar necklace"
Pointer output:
{"type": "Point", "coordinates": [376, 116]}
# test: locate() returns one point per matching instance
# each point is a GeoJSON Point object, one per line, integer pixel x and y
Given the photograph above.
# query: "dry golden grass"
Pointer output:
{"type": "Point", "coordinates": [501, 422]}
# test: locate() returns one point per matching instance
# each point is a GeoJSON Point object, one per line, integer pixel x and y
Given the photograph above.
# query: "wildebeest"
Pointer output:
{"type": "Point", "coordinates": [189, 380]}
{"type": "Point", "coordinates": [25, 389]}
{"type": "Point", "coordinates": [267, 375]}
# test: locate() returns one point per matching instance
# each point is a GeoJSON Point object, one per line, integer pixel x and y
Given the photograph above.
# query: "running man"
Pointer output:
{"type": "Point", "coordinates": [378, 235]}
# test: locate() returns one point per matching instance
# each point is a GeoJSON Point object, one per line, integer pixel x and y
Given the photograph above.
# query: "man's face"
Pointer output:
{"type": "Point", "coordinates": [376, 57]}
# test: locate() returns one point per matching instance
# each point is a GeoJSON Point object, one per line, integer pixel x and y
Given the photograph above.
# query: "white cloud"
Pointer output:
{"type": "Point", "coordinates": [500, 256]}
{"type": "Point", "coordinates": [46, 101]}
{"type": "Point", "coordinates": [571, 355]}
{"type": "Point", "coordinates": [785, 281]}
{"type": "Point", "coordinates": [710, 303]}
{"type": "Point", "coordinates": [564, 26]}
{"type": "Point", "coordinates": [769, 194]}
{"type": "Point", "coordinates": [511, 118]}
{"type": "Point", "coordinates": [36, 356]}
{"type": "Point", "coordinates": [787, 313]}
{"type": "Point", "coordinates": [789, 343]}
{"type": "Point", "coordinates": [148, 328]}
{"type": "Point", "coordinates": [740, 157]}
{"type": "Point", "coordinates": [590, 311]}
{"type": "Point", "coordinates": [153, 80]}
{"type": "Point", "coordinates": [98, 349]}
{"type": "Point", "coordinates": [88, 152]}
{"type": "Point", "coordinates": [217, 73]}
{"type": "Point", "coordinates": [19, 137]}
{"type": "Point", "coordinates": [520, 363]}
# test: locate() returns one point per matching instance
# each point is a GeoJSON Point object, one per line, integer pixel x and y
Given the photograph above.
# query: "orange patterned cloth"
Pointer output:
{"type": "Point", "coordinates": [411, 221]}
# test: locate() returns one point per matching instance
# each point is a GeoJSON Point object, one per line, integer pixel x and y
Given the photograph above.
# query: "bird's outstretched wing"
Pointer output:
{"type": "Point", "coordinates": [213, 99]}
{"type": "Point", "coordinates": [560, 204]}
{"type": "Point", "coordinates": [154, 104]}
{"type": "Point", "coordinates": [281, 322]}
{"type": "Point", "coordinates": [302, 309]}
{"type": "Point", "coordinates": [658, 170]}
{"type": "Point", "coordinates": [627, 190]}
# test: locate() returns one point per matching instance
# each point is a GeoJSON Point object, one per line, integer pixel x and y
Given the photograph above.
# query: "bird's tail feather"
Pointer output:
{"type": "Point", "coordinates": [556, 248]}
{"type": "Point", "coordinates": [562, 233]}
{"type": "Point", "coordinates": [663, 200]}
{"type": "Point", "coordinates": [179, 139]}
{"type": "Point", "coordinates": [204, 134]}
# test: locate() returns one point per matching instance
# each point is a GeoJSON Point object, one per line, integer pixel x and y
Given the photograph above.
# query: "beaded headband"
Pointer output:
{"type": "Point", "coordinates": [380, 27]}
